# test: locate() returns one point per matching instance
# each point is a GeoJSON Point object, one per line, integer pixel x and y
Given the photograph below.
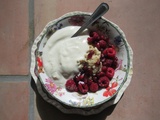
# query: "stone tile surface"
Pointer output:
{"type": "Point", "coordinates": [14, 39]}
{"type": "Point", "coordinates": [44, 12]}
{"type": "Point", "coordinates": [14, 100]}
{"type": "Point", "coordinates": [139, 20]}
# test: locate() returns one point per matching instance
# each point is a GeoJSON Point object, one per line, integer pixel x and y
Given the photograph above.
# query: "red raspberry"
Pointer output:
{"type": "Point", "coordinates": [95, 35]}
{"type": "Point", "coordinates": [109, 62]}
{"type": "Point", "coordinates": [90, 40]}
{"type": "Point", "coordinates": [83, 88]}
{"type": "Point", "coordinates": [115, 63]}
{"type": "Point", "coordinates": [110, 72]}
{"type": "Point", "coordinates": [93, 87]}
{"type": "Point", "coordinates": [102, 43]}
{"type": "Point", "coordinates": [103, 82]}
{"type": "Point", "coordinates": [109, 52]}
{"type": "Point", "coordinates": [95, 78]}
{"type": "Point", "coordinates": [104, 68]}
{"type": "Point", "coordinates": [102, 37]}
{"type": "Point", "coordinates": [100, 74]}
{"type": "Point", "coordinates": [112, 46]}
{"type": "Point", "coordinates": [71, 85]}
{"type": "Point", "coordinates": [89, 82]}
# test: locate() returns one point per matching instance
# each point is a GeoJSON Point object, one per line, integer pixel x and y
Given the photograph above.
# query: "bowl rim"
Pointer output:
{"type": "Point", "coordinates": [45, 30]}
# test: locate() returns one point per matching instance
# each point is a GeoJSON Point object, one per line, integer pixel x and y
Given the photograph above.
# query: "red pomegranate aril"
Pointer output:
{"type": "Point", "coordinates": [91, 52]}
{"type": "Point", "coordinates": [97, 63]}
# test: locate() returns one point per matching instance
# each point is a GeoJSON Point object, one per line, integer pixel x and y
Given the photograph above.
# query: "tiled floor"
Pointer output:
{"type": "Point", "coordinates": [21, 21]}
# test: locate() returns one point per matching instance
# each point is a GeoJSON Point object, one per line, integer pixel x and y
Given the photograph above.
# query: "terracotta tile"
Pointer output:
{"type": "Point", "coordinates": [140, 22]}
{"type": "Point", "coordinates": [14, 40]}
{"type": "Point", "coordinates": [64, 6]}
{"type": "Point", "coordinates": [14, 100]}
{"type": "Point", "coordinates": [44, 12]}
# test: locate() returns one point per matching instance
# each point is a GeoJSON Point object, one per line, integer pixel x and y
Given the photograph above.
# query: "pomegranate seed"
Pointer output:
{"type": "Point", "coordinates": [91, 52]}
{"type": "Point", "coordinates": [97, 63]}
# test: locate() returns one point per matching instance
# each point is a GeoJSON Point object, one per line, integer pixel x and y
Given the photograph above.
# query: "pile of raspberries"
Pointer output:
{"type": "Point", "coordinates": [85, 81]}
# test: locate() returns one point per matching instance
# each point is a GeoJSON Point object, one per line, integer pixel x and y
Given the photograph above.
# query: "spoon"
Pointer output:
{"type": "Point", "coordinates": [100, 11]}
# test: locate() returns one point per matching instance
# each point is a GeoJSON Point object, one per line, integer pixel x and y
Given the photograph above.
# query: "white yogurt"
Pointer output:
{"type": "Point", "coordinates": [61, 53]}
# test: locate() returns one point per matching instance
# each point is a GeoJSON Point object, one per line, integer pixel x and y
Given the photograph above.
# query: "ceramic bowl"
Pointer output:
{"type": "Point", "coordinates": [75, 99]}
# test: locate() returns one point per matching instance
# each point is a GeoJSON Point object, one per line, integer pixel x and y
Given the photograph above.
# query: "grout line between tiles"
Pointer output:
{"type": "Point", "coordinates": [31, 103]}
{"type": "Point", "coordinates": [31, 115]}
{"type": "Point", "coordinates": [13, 78]}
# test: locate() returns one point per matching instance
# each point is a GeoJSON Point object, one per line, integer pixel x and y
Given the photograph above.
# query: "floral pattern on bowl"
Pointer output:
{"type": "Point", "coordinates": [75, 99]}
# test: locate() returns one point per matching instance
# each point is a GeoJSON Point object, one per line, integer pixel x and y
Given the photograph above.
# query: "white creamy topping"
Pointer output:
{"type": "Point", "coordinates": [61, 53]}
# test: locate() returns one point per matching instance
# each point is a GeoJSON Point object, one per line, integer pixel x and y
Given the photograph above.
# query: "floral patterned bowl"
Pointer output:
{"type": "Point", "coordinates": [74, 99]}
